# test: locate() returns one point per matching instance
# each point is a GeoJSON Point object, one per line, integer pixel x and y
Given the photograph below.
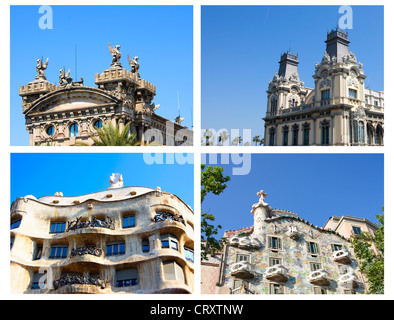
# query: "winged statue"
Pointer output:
{"type": "Point", "coordinates": [115, 53]}
{"type": "Point", "coordinates": [40, 68]}
{"type": "Point", "coordinates": [134, 64]}
{"type": "Point", "coordinates": [64, 78]}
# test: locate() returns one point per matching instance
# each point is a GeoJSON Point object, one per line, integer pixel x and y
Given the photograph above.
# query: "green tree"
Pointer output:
{"type": "Point", "coordinates": [212, 181]}
{"type": "Point", "coordinates": [256, 139]}
{"type": "Point", "coordinates": [108, 135]}
{"type": "Point", "coordinates": [369, 251]}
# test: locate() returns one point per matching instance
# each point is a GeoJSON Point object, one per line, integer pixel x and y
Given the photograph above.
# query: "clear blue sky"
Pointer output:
{"type": "Point", "coordinates": [241, 47]}
{"type": "Point", "coordinates": [315, 186]}
{"type": "Point", "coordinates": [161, 36]}
{"type": "Point", "coordinates": [44, 174]}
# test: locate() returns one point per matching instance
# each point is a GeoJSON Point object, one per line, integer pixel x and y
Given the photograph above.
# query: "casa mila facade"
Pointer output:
{"type": "Point", "coordinates": [282, 254]}
{"type": "Point", "coordinates": [338, 111]}
{"type": "Point", "coordinates": [69, 113]}
{"type": "Point", "coordinates": [120, 240]}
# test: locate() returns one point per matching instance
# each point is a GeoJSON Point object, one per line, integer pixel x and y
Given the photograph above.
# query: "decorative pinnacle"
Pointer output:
{"type": "Point", "coordinates": [261, 194]}
{"type": "Point", "coordinates": [116, 181]}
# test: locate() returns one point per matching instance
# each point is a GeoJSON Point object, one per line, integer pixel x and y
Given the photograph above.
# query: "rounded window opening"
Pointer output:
{"type": "Point", "coordinates": [50, 130]}
{"type": "Point", "coordinates": [74, 130]}
{"type": "Point", "coordinates": [98, 124]}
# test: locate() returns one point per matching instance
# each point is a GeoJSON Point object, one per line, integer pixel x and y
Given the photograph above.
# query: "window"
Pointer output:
{"type": "Point", "coordinates": [361, 132]}
{"type": "Point", "coordinates": [295, 135]}
{"type": "Point", "coordinates": [242, 257]}
{"type": "Point", "coordinates": [274, 105]}
{"type": "Point", "coordinates": [127, 278]}
{"type": "Point", "coordinates": [343, 269]}
{"type": "Point", "coordinates": [169, 241]}
{"type": "Point", "coordinates": [173, 271]}
{"type": "Point", "coordinates": [325, 131]}
{"type": "Point", "coordinates": [16, 223]}
{"type": "Point", "coordinates": [74, 130]}
{"type": "Point", "coordinates": [352, 93]}
{"type": "Point", "coordinates": [336, 247]}
{"type": "Point", "coordinates": [37, 253]}
{"type": "Point", "coordinates": [189, 254]}
{"type": "Point", "coordinates": [313, 248]}
{"type": "Point", "coordinates": [128, 221]}
{"type": "Point", "coordinates": [12, 240]}
{"type": "Point", "coordinates": [50, 130]}
{"type": "Point", "coordinates": [325, 94]}
{"type": "Point", "coordinates": [285, 141]}
{"type": "Point", "coordinates": [39, 280]}
{"type": "Point", "coordinates": [276, 288]}
{"type": "Point", "coordinates": [375, 103]}
{"type": "Point", "coordinates": [275, 243]}
{"type": "Point", "coordinates": [115, 249]}
{"type": "Point", "coordinates": [274, 261]}
{"type": "Point", "coordinates": [58, 252]}
{"type": "Point", "coordinates": [272, 137]}
{"type": "Point", "coordinates": [98, 124]}
{"type": "Point", "coordinates": [356, 230]}
{"type": "Point", "coordinates": [305, 138]}
{"type": "Point", "coordinates": [319, 290]}
{"type": "Point", "coordinates": [145, 245]}
{"type": "Point", "coordinates": [315, 266]}
{"type": "Point", "coordinates": [239, 283]}
{"type": "Point", "coordinates": [58, 227]}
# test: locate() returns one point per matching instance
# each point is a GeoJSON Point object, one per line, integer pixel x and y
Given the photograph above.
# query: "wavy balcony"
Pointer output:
{"type": "Point", "coordinates": [348, 281]}
{"type": "Point", "coordinates": [245, 243]}
{"type": "Point", "coordinates": [342, 256]}
{"type": "Point", "coordinates": [242, 269]}
{"type": "Point", "coordinates": [319, 277]}
{"type": "Point", "coordinates": [277, 273]}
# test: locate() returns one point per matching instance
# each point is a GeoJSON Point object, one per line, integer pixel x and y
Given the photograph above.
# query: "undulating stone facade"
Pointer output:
{"type": "Point", "coordinates": [120, 240]}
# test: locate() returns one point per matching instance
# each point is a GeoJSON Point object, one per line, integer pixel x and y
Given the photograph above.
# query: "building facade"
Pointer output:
{"type": "Point", "coordinates": [338, 111]}
{"type": "Point", "coordinates": [283, 254]}
{"type": "Point", "coordinates": [68, 113]}
{"type": "Point", "coordinates": [120, 240]}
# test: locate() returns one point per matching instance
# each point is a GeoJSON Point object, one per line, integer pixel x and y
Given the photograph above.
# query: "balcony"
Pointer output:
{"type": "Point", "coordinates": [79, 279]}
{"type": "Point", "coordinates": [277, 273]}
{"type": "Point", "coordinates": [242, 269]}
{"type": "Point", "coordinates": [245, 243]}
{"type": "Point", "coordinates": [342, 256]}
{"type": "Point", "coordinates": [293, 233]}
{"type": "Point", "coordinates": [348, 281]}
{"type": "Point", "coordinates": [319, 277]}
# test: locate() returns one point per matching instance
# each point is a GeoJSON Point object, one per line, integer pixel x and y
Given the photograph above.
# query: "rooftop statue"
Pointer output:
{"type": "Point", "coordinates": [64, 78]}
{"type": "Point", "coordinates": [40, 67]}
{"type": "Point", "coordinates": [134, 65]}
{"type": "Point", "coordinates": [115, 52]}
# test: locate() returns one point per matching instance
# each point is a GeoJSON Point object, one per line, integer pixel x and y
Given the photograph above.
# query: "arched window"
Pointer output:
{"type": "Point", "coordinates": [50, 130]}
{"type": "Point", "coordinates": [74, 130]}
{"type": "Point", "coordinates": [274, 105]}
{"type": "Point", "coordinates": [325, 132]}
{"type": "Point", "coordinates": [98, 124]}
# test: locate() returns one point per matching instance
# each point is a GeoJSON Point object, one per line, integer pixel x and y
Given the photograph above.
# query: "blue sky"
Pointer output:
{"type": "Point", "coordinates": [44, 174]}
{"type": "Point", "coordinates": [315, 186]}
{"type": "Point", "coordinates": [161, 36]}
{"type": "Point", "coordinates": [241, 47]}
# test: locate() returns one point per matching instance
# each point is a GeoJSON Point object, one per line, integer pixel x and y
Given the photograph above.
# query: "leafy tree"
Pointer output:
{"type": "Point", "coordinates": [223, 137]}
{"type": "Point", "coordinates": [108, 135]}
{"type": "Point", "coordinates": [212, 181]}
{"type": "Point", "coordinates": [369, 250]}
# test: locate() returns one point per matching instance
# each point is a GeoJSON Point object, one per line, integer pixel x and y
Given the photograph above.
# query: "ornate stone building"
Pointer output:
{"type": "Point", "coordinates": [69, 113]}
{"type": "Point", "coordinates": [338, 111]}
{"type": "Point", "coordinates": [120, 240]}
{"type": "Point", "coordinates": [285, 254]}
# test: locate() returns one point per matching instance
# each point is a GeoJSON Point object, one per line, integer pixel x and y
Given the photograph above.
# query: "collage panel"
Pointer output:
{"type": "Point", "coordinates": [101, 75]}
{"type": "Point", "coordinates": [117, 223]}
{"type": "Point", "coordinates": [294, 224]}
{"type": "Point", "coordinates": [271, 79]}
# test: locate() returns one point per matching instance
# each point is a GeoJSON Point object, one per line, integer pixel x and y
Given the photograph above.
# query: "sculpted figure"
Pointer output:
{"type": "Point", "coordinates": [40, 67]}
{"type": "Point", "coordinates": [134, 65]}
{"type": "Point", "coordinates": [115, 53]}
{"type": "Point", "coordinates": [64, 78]}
